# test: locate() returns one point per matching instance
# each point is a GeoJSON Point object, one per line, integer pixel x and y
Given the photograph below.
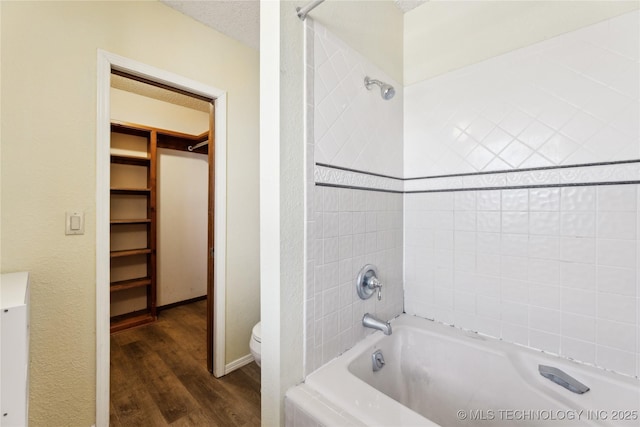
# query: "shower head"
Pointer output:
{"type": "Point", "coordinates": [387, 91]}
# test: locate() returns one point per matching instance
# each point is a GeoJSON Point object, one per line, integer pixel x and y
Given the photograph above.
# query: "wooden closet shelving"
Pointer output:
{"type": "Point", "coordinates": [130, 160]}
{"type": "Point", "coordinates": [139, 197]}
{"type": "Point", "coordinates": [142, 153]}
{"type": "Point", "coordinates": [130, 221]}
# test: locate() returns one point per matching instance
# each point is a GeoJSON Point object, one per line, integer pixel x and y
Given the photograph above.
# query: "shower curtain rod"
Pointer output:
{"type": "Point", "coordinates": [304, 11]}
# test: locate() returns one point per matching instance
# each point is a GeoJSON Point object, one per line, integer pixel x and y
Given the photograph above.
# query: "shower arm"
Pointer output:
{"type": "Point", "coordinates": [304, 10]}
{"type": "Point", "coordinates": [369, 82]}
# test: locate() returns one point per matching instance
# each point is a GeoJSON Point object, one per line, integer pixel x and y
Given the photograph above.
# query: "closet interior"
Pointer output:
{"type": "Point", "coordinates": [137, 153]}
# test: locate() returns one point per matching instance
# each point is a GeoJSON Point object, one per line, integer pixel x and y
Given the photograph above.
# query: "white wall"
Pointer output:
{"type": "Point", "coordinates": [547, 257]}
{"type": "Point", "coordinates": [441, 36]}
{"type": "Point", "coordinates": [48, 167]}
{"type": "Point", "coordinates": [282, 160]}
{"type": "Point", "coordinates": [372, 28]}
{"type": "Point", "coordinates": [182, 225]}
{"type": "Point", "coordinates": [130, 107]}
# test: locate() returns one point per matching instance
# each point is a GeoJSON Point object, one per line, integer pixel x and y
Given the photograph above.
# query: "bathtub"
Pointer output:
{"type": "Point", "coordinates": [436, 375]}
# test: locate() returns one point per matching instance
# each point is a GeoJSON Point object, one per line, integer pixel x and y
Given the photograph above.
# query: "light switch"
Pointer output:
{"type": "Point", "coordinates": [74, 223]}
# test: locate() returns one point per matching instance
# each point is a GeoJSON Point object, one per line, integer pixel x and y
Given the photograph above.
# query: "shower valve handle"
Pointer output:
{"type": "Point", "coordinates": [374, 283]}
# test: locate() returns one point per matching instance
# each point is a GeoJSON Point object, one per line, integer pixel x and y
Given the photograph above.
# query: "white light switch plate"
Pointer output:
{"type": "Point", "coordinates": [74, 223]}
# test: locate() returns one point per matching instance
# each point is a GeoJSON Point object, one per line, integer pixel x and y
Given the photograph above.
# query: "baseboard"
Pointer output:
{"type": "Point", "coordinates": [238, 363]}
{"type": "Point", "coordinates": [179, 303]}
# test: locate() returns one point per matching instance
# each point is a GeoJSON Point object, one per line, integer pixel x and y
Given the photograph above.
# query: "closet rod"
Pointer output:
{"type": "Point", "coordinates": [198, 145]}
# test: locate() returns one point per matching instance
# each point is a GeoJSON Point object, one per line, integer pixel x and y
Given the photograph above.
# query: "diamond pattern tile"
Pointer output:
{"type": "Point", "coordinates": [572, 99]}
{"type": "Point", "coordinates": [354, 127]}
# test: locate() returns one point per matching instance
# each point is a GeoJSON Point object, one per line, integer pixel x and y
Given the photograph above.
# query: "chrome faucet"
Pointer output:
{"type": "Point", "coordinates": [370, 321]}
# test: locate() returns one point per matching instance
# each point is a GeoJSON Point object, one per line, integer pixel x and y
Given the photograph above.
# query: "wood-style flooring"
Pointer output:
{"type": "Point", "coordinates": [159, 377]}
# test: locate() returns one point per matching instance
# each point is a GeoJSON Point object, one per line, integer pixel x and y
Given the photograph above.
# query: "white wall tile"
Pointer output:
{"type": "Point", "coordinates": [547, 247]}
{"type": "Point", "coordinates": [621, 336]}
{"type": "Point", "coordinates": [544, 199]}
{"type": "Point", "coordinates": [512, 267]}
{"type": "Point", "coordinates": [330, 225]}
{"type": "Point", "coordinates": [617, 198]}
{"type": "Point", "coordinates": [577, 249]}
{"type": "Point", "coordinates": [616, 280]}
{"type": "Point", "coordinates": [583, 351]}
{"type": "Point", "coordinates": [514, 245]}
{"type": "Point", "coordinates": [489, 200]}
{"type": "Point", "coordinates": [544, 271]}
{"type": "Point", "coordinates": [617, 253]}
{"type": "Point", "coordinates": [544, 341]}
{"type": "Point", "coordinates": [515, 333]}
{"type": "Point", "coordinates": [580, 199]}
{"type": "Point", "coordinates": [561, 285]}
{"type": "Point", "coordinates": [465, 220]}
{"type": "Point", "coordinates": [578, 301]}
{"type": "Point", "coordinates": [464, 201]}
{"type": "Point", "coordinates": [579, 327]}
{"type": "Point", "coordinates": [616, 360]}
{"type": "Point", "coordinates": [561, 110]}
{"type": "Point", "coordinates": [489, 221]}
{"type": "Point", "coordinates": [544, 223]}
{"type": "Point", "coordinates": [618, 308]}
{"type": "Point", "coordinates": [354, 127]}
{"type": "Point", "coordinates": [515, 200]}
{"type": "Point", "coordinates": [617, 225]}
{"type": "Point", "coordinates": [545, 320]}
{"type": "Point", "coordinates": [577, 224]}
{"type": "Point", "coordinates": [356, 228]}
{"type": "Point", "coordinates": [578, 275]}
{"type": "Point", "coordinates": [488, 243]}
{"type": "Point", "coordinates": [515, 222]}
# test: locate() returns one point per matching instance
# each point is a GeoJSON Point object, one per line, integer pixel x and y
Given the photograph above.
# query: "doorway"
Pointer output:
{"type": "Point", "coordinates": [161, 221]}
{"type": "Point", "coordinates": [107, 63]}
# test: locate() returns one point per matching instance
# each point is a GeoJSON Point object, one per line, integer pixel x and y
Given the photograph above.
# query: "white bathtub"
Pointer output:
{"type": "Point", "coordinates": [440, 375]}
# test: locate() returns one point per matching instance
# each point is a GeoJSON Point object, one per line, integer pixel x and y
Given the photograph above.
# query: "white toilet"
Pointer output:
{"type": "Point", "coordinates": [254, 343]}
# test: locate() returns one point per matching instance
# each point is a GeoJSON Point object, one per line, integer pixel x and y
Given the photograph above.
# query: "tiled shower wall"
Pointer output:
{"type": "Point", "coordinates": [353, 127]}
{"type": "Point", "coordinates": [569, 100]}
{"type": "Point", "coordinates": [349, 127]}
{"type": "Point", "coordinates": [547, 258]}
{"type": "Point", "coordinates": [542, 257]}
{"type": "Point", "coordinates": [551, 268]}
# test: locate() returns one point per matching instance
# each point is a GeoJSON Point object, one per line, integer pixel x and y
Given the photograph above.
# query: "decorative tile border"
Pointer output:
{"type": "Point", "coordinates": [348, 178]}
{"type": "Point", "coordinates": [623, 172]}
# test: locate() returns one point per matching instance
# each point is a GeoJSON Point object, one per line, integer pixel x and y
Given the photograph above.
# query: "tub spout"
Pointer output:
{"type": "Point", "coordinates": [370, 321]}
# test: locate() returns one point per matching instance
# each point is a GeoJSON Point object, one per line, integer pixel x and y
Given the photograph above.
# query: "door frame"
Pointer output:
{"type": "Point", "coordinates": [106, 62]}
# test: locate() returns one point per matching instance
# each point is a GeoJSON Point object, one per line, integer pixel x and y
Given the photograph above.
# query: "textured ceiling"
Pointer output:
{"type": "Point", "coordinates": [240, 19]}
{"type": "Point", "coordinates": [407, 5]}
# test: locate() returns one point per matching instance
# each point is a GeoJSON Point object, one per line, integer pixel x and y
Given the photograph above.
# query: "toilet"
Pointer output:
{"type": "Point", "coordinates": [254, 343]}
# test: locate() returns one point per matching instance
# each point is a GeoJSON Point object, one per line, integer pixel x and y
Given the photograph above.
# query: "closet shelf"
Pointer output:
{"type": "Point", "coordinates": [123, 190]}
{"type": "Point", "coordinates": [133, 189]}
{"type": "Point", "coordinates": [130, 252]}
{"type": "Point", "coordinates": [129, 284]}
{"type": "Point", "coordinates": [130, 160]}
{"type": "Point", "coordinates": [130, 221]}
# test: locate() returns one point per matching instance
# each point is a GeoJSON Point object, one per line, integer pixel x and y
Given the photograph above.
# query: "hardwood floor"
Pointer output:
{"type": "Point", "coordinates": [159, 377]}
